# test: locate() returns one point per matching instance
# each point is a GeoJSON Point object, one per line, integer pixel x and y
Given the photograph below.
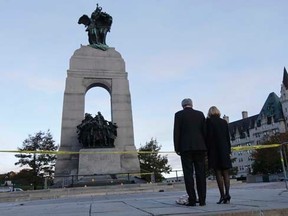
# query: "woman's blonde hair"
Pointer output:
{"type": "Point", "coordinates": [213, 111]}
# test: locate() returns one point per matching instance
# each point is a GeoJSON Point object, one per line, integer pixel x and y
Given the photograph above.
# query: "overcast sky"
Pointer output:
{"type": "Point", "coordinates": [230, 54]}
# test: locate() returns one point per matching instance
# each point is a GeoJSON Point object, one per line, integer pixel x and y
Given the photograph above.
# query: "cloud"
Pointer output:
{"type": "Point", "coordinates": [35, 82]}
{"type": "Point", "coordinates": [248, 90]}
{"type": "Point", "coordinates": [172, 64]}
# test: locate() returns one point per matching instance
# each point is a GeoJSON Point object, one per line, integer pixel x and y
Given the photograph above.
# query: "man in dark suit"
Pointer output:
{"type": "Point", "coordinates": [189, 143]}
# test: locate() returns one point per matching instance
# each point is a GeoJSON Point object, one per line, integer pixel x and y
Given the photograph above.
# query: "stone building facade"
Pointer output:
{"type": "Point", "coordinates": [253, 130]}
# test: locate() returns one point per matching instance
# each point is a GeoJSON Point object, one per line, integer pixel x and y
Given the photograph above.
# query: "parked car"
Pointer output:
{"type": "Point", "coordinates": [16, 189]}
{"type": "Point", "coordinates": [10, 189]}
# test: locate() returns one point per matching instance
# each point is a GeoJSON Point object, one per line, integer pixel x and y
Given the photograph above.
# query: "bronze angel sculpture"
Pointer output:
{"type": "Point", "coordinates": [97, 27]}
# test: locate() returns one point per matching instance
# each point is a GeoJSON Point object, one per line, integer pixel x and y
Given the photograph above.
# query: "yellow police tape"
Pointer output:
{"type": "Point", "coordinates": [245, 148]}
{"type": "Point", "coordinates": [238, 148]}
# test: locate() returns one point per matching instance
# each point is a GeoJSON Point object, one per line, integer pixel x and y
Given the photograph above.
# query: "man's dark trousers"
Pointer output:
{"type": "Point", "coordinates": [194, 160]}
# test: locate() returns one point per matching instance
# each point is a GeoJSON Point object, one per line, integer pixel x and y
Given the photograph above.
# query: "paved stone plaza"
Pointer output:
{"type": "Point", "coordinates": [254, 199]}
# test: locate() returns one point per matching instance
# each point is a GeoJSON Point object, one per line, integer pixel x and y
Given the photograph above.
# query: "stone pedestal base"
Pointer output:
{"type": "Point", "coordinates": [99, 161]}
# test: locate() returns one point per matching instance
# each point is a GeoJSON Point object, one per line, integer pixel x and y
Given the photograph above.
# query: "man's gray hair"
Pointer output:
{"type": "Point", "coordinates": [187, 102]}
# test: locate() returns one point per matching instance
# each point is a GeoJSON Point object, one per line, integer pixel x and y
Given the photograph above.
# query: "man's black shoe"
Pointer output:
{"type": "Point", "coordinates": [202, 204]}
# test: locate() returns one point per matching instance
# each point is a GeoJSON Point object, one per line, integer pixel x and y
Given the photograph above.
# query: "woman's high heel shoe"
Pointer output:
{"type": "Point", "coordinates": [227, 199]}
{"type": "Point", "coordinates": [221, 200]}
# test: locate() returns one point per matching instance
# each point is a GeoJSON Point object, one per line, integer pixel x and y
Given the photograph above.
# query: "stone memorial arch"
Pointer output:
{"type": "Point", "coordinates": [90, 67]}
{"type": "Point", "coordinates": [96, 65]}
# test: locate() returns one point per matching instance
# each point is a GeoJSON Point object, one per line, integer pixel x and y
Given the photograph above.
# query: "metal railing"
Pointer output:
{"type": "Point", "coordinates": [283, 155]}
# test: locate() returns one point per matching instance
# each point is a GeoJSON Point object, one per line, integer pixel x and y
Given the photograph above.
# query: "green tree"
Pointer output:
{"type": "Point", "coordinates": [267, 160]}
{"type": "Point", "coordinates": [40, 164]}
{"type": "Point", "coordinates": [6, 177]}
{"type": "Point", "coordinates": [23, 178]}
{"type": "Point", "coordinates": [152, 161]}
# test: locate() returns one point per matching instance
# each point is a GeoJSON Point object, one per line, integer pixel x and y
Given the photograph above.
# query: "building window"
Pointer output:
{"type": "Point", "coordinates": [269, 120]}
{"type": "Point", "coordinates": [242, 135]}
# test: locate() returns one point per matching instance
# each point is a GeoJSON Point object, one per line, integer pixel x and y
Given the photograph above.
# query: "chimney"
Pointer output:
{"type": "Point", "coordinates": [244, 114]}
{"type": "Point", "coordinates": [226, 118]}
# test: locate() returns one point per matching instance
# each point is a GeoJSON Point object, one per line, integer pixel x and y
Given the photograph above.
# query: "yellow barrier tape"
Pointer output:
{"type": "Point", "coordinates": [245, 148]}
{"type": "Point", "coordinates": [237, 148]}
{"type": "Point", "coordinates": [71, 152]}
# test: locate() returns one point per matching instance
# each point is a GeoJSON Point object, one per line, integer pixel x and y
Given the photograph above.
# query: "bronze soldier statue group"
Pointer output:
{"type": "Point", "coordinates": [96, 132]}
{"type": "Point", "coordinates": [194, 136]}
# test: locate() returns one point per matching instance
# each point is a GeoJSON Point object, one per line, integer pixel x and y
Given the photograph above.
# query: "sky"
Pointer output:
{"type": "Point", "coordinates": [230, 54]}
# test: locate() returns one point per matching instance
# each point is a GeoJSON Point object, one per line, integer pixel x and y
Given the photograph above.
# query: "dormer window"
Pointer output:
{"type": "Point", "coordinates": [269, 120]}
{"type": "Point", "coordinates": [259, 123]}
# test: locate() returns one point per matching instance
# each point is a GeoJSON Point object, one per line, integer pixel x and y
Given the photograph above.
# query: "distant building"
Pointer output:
{"type": "Point", "coordinates": [272, 119]}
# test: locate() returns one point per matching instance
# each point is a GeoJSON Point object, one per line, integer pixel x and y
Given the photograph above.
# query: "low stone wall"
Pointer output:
{"type": "Point", "coordinates": [97, 191]}
{"type": "Point", "coordinates": [87, 191]}
{"type": "Point", "coordinates": [261, 178]}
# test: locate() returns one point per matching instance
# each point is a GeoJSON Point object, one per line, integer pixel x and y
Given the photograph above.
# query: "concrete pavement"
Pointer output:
{"type": "Point", "coordinates": [247, 199]}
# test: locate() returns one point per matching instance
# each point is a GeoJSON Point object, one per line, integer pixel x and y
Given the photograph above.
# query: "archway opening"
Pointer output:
{"type": "Point", "coordinates": [98, 99]}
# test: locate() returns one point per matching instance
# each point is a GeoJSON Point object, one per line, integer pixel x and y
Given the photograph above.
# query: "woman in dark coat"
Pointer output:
{"type": "Point", "coordinates": [219, 150]}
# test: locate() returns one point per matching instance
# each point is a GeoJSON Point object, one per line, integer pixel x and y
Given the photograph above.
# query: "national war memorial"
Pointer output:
{"type": "Point", "coordinates": [94, 146]}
